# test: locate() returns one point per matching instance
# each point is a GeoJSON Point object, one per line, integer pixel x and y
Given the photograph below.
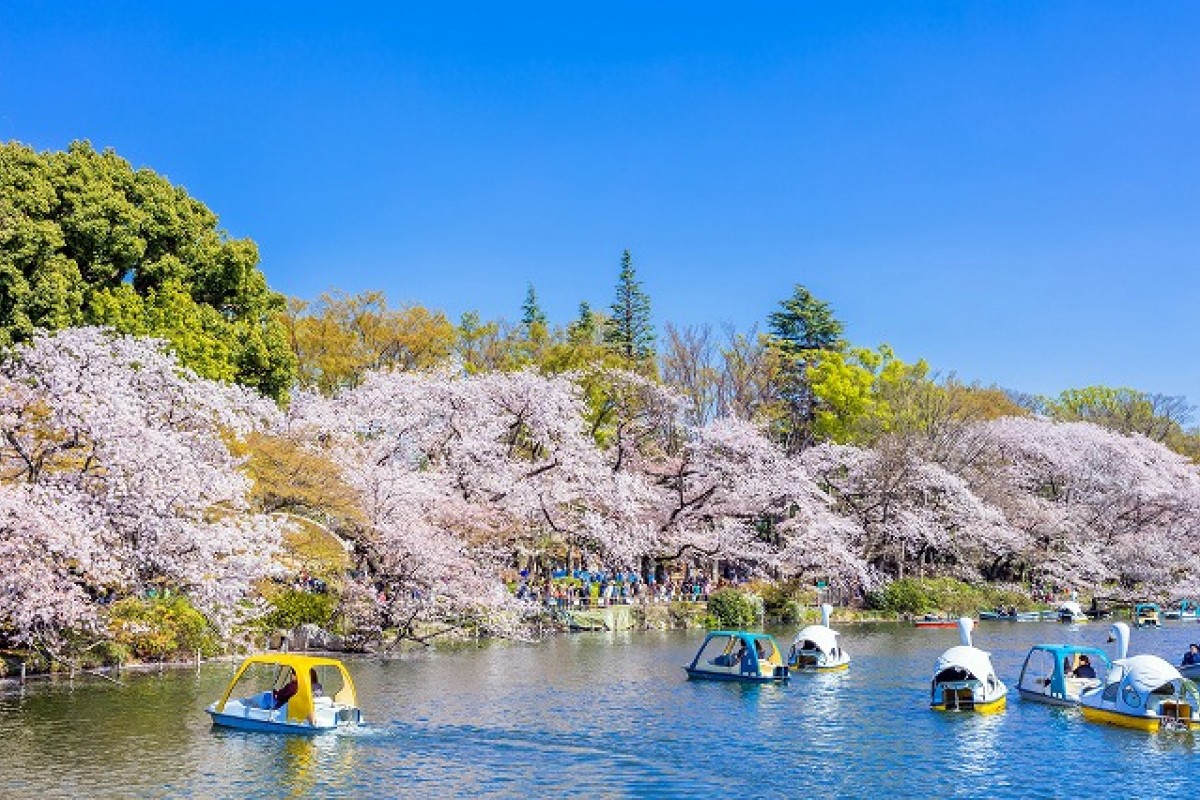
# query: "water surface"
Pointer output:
{"type": "Point", "coordinates": [602, 714]}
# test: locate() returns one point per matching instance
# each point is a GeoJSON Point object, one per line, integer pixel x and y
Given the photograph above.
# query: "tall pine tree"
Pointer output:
{"type": "Point", "coordinates": [802, 328]}
{"type": "Point", "coordinates": [531, 312]}
{"type": "Point", "coordinates": [629, 332]}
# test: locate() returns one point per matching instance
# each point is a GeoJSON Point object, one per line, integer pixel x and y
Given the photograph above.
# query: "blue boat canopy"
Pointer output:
{"type": "Point", "coordinates": [738, 655]}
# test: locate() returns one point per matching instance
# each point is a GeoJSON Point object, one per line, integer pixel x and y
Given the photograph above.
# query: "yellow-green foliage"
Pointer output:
{"type": "Point", "coordinates": [924, 595]}
{"type": "Point", "coordinates": [786, 601]}
{"type": "Point", "coordinates": [161, 628]}
{"type": "Point", "coordinates": [290, 608]}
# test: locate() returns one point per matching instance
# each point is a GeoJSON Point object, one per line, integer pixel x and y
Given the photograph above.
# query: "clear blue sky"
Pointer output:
{"type": "Point", "coordinates": [1010, 190]}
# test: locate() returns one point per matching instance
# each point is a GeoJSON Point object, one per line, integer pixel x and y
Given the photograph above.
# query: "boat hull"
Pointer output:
{"type": "Point", "coordinates": [935, 623]}
{"type": "Point", "coordinates": [1048, 699]}
{"type": "Point", "coordinates": [845, 665]}
{"type": "Point", "coordinates": [990, 707]}
{"type": "Point", "coordinates": [1190, 671]}
{"type": "Point", "coordinates": [267, 726]}
{"type": "Point", "coordinates": [1147, 724]}
{"type": "Point", "coordinates": [705, 675]}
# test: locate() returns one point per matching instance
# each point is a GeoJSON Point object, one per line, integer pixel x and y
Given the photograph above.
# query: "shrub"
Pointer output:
{"type": "Point", "coordinates": [730, 608]}
{"type": "Point", "coordinates": [785, 601]}
{"type": "Point", "coordinates": [922, 595]}
{"type": "Point", "coordinates": [160, 628]}
{"type": "Point", "coordinates": [292, 607]}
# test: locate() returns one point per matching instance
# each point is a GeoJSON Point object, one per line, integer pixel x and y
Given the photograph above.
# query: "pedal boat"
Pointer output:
{"type": "Point", "coordinates": [818, 648]}
{"type": "Point", "coordinates": [1071, 612]}
{"type": "Point", "coordinates": [1187, 610]}
{"type": "Point", "coordinates": [1146, 693]}
{"type": "Point", "coordinates": [738, 656]}
{"type": "Point", "coordinates": [964, 679]}
{"type": "Point", "coordinates": [1047, 675]}
{"type": "Point", "coordinates": [1147, 615]}
{"type": "Point", "coordinates": [305, 712]}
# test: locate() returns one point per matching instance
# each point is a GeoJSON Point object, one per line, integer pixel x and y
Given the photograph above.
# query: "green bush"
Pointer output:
{"type": "Point", "coordinates": [160, 628]}
{"type": "Point", "coordinates": [291, 607]}
{"type": "Point", "coordinates": [732, 609]}
{"type": "Point", "coordinates": [785, 601]}
{"type": "Point", "coordinates": [924, 595]}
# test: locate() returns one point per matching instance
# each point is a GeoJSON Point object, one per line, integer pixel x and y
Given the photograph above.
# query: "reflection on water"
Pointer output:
{"type": "Point", "coordinates": [609, 714]}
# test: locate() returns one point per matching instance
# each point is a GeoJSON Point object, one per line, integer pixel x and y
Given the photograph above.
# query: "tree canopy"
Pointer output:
{"type": "Point", "coordinates": [86, 239]}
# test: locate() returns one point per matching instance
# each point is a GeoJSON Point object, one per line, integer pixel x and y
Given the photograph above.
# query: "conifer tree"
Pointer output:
{"type": "Point", "coordinates": [629, 332]}
{"type": "Point", "coordinates": [802, 328]}
{"type": "Point", "coordinates": [531, 312]}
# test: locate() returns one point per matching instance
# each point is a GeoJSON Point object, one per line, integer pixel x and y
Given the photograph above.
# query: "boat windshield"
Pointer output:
{"type": "Point", "coordinates": [954, 674]}
{"type": "Point", "coordinates": [721, 651]}
{"type": "Point", "coordinates": [260, 679]}
{"type": "Point", "coordinates": [1038, 672]}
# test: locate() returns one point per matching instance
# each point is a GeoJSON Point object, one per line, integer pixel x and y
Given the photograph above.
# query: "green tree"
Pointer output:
{"type": "Point", "coordinates": [1124, 410]}
{"type": "Point", "coordinates": [629, 331]}
{"type": "Point", "coordinates": [339, 337]}
{"type": "Point", "coordinates": [87, 239]}
{"type": "Point", "coordinates": [801, 331]}
{"type": "Point", "coordinates": [531, 312]}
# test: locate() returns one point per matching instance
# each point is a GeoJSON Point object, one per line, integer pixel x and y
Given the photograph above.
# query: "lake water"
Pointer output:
{"type": "Point", "coordinates": [603, 714]}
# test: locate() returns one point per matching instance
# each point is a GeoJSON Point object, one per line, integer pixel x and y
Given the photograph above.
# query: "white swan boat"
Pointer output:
{"type": "Point", "coordinates": [964, 679]}
{"type": "Point", "coordinates": [818, 648]}
{"type": "Point", "coordinates": [1143, 692]}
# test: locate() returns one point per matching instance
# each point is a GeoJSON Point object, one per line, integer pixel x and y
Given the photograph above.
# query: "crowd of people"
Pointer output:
{"type": "Point", "coordinates": [582, 589]}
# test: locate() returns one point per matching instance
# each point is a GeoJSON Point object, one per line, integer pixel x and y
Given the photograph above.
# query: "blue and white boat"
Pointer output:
{"type": "Point", "coordinates": [1143, 692]}
{"type": "Point", "coordinates": [738, 656]}
{"type": "Point", "coordinates": [1147, 615]}
{"type": "Point", "coordinates": [1187, 610]}
{"type": "Point", "coordinates": [1058, 674]}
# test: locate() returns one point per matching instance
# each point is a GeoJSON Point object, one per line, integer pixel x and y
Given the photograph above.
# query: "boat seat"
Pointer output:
{"type": "Point", "coordinates": [1173, 710]}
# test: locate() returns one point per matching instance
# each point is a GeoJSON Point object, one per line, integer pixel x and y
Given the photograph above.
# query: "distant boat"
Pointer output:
{"type": "Point", "coordinates": [1011, 616]}
{"type": "Point", "coordinates": [930, 621]}
{"type": "Point", "coordinates": [1071, 611]}
{"type": "Point", "coordinates": [1187, 610]}
{"type": "Point", "coordinates": [1147, 615]}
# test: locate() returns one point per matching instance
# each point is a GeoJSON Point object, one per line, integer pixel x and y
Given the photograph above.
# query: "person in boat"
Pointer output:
{"type": "Point", "coordinates": [285, 692]}
{"type": "Point", "coordinates": [1192, 656]}
{"type": "Point", "coordinates": [1085, 669]}
{"type": "Point", "coordinates": [317, 689]}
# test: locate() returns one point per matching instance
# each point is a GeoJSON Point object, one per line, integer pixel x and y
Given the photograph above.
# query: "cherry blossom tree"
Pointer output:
{"type": "Point", "coordinates": [911, 514]}
{"type": "Point", "coordinates": [1097, 505]}
{"type": "Point", "coordinates": [116, 480]}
